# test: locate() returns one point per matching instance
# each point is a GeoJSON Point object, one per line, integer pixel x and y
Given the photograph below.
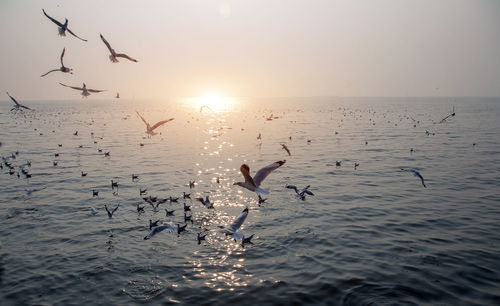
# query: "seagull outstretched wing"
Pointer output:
{"type": "Point", "coordinates": [264, 172]}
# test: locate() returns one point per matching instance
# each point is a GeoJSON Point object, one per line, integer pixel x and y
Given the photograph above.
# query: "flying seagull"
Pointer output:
{"type": "Point", "coordinates": [417, 174]}
{"type": "Point", "coordinates": [300, 194]}
{"type": "Point", "coordinates": [114, 55]}
{"type": "Point", "coordinates": [62, 69]}
{"type": "Point", "coordinates": [286, 149]}
{"type": "Point", "coordinates": [110, 213]}
{"type": "Point", "coordinates": [17, 106]}
{"type": "Point", "coordinates": [165, 226]}
{"type": "Point", "coordinates": [150, 129]}
{"type": "Point", "coordinates": [85, 91]}
{"type": "Point", "coordinates": [206, 202]}
{"type": "Point", "coordinates": [232, 229]}
{"type": "Point", "coordinates": [62, 27]}
{"type": "Point", "coordinates": [253, 184]}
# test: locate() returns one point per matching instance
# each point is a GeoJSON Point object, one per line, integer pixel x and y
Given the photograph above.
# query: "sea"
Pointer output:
{"type": "Point", "coordinates": [370, 234]}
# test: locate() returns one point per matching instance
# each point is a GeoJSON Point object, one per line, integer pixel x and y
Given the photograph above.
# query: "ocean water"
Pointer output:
{"type": "Point", "coordinates": [369, 236]}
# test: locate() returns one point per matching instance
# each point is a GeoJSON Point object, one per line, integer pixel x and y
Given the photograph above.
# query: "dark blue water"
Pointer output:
{"type": "Point", "coordinates": [369, 236]}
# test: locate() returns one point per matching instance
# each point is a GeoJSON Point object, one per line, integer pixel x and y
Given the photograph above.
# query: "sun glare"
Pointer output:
{"type": "Point", "coordinates": [212, 102]}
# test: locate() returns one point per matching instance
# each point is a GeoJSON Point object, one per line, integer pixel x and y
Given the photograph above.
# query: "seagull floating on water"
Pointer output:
{"type": "Point", "coordinates": [246, 240]}
{"type": "Point", "coordinates": [114, 55]}
{"type": "Point", "coordinates": [62, 69]}
{"type": "Point", "coordinates": [165, 226]}
{"type": "Point", "coordinates": [253, 184]}
{"type": "Point", "coordinates": [62, 27]}
{"type": "Point", "coordinates": [181, 229]}
{"type": "Point", "coordinates": [150, 129]}
{"type": "Point", "coordinates": [85, 91]}
{"type": "Point", "coordinates": [153, 224]}
{"type": "Point", "coordinates": [169, 212]}
{"type": "Point", "coordinates": [232, 229]}
{"type": "Point", "coordinates": [186, 195]}
{"type": "Point", "coordinates": [200, 238]}
{"type": "Point", "coordinates": [261, 200]}
{"type": "Point", "coordinates": [17, 104]}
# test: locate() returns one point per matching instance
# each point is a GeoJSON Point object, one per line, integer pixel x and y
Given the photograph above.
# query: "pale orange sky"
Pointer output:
{"type": "Point", "coordinates": [254, 48]}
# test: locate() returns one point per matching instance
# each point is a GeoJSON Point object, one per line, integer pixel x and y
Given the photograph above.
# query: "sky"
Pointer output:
{"type": "Point", "coordinates": [253, 48]}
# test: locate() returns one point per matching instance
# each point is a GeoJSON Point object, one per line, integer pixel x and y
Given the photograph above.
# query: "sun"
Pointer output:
{"type": "Point", "coordinates": [212, 102]}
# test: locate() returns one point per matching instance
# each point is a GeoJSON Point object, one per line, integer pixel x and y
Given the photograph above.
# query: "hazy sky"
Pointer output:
{"type": "Point", "coordinates": [254, 48]}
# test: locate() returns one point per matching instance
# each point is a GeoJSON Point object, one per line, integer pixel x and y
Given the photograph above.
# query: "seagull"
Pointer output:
{"type": "Point", "coordinates": [356, 165]}
{"type": "Point", "coordinates": [180, 229]}
{"type": "Point", "coordinates": [84, 173]}
{"type": "Point", "coordinates": [114, 55]}
{"type": "Point", "coordinates": [30, 191]}
{"type": "Point", "coordinates": [114, 184]}
{"type": "Point", "coordinates": [142, 191]}
{"type": "Point", "coordinates": [246, 240]}
{"type": "Point", "coordinates": [191, 184]}
{"type": "Point", "coordinates": [417, 174]}
{"type": "Point", "coordinates": [169, 212]}
{"type": "Point", "coordinates": [17, 106]}
{"type": "Point", "coordinates": [134, 177]}
{"type": "Point", "coordinates": [110, 213]}
{"type": "Point", "coordinates": [206, 202]}
{"type": "Point", "coordinates": [153, 224]}
{"type": "Point", "coordinates": [172, 199]}
{"type": "Point", "coordinates": [155, 207]}
{"type": "Point", "coordinates": [150, 129]}
{"type": "Point", "coordinates": [261, 200]}
{"type": "Point", "coordinates": [188, 218]}
{"type": "Point", "coordinates": [187, 207]}
{"type": "Point", "coordinates": [62, 69]}
{"type": "Point", "coordinates": [286, 149]}
{"type": "Point", "coordinates": [232, 229]}
{"type": "Point", "coordinates": [140, 208]}
{"type": "Point", "coordinates": [165, 226]}
{"type": "Point", "coordinates": [302, 194]}
{"type": "Point", "coordinates": [62, 27]}
{"type": "Point", "coordinates": [85, 91]}
{"type": "Point", "coordinates": [200, 238]}
{"type": "Point", "coordinates": [93, 212]}
{"type": "Point", "coordinates": [253, 184]}
{"type": "Point", "coordinates": [186, 195]}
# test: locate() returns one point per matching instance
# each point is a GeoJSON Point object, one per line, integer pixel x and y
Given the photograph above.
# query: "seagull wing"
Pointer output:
{"type": "Point", "coordinates": [95, 90]}
{"type": "Point", "coordinates": [292, 187]}
{"type": "Point", "coordinates": [53, 70]}
{"type": "Point", "coordinates": [107, 45]}
{"type": "Point", "coordinates": [17, 103]}
{"type": "Point", "coordinates": [245, 170]}
{"type": "Point", "coordinates": [417, 174]}
{"type": "Point", "coordinates": [62, 55]}
{"type": "Point", "coordinates": [238, 222]}
{"type": "Point", "coordinates": [52, 19]}
{"type": "Point", "coordinates": [161, 123]}
{"type": "Point", "coordinates": [126, 56]}
{"type": "Point", "coordinates": [264, 172]}
{"type": "Point", "coordinates": [74, 87]}
{"type": "Point", "coordinates": [143, 120]}
{"type": "Point", "coordinates": [70, 32]}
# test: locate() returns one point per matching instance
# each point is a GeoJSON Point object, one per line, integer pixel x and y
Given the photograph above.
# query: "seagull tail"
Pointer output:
{"type": "Point", "coordinates": [261, 191]}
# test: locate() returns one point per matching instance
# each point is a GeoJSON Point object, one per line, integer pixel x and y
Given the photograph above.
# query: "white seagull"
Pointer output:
{"type": "Point", "coordinates": [114, 55]}
{"type": "Point", "coordinates": [165, 226]}
{"type": "Point", "coordinates": [253, 184]}
{"type": "Point", "coordinates": [17, 105]}
{"type": "Point", "coordinates": [62, 69]}
{"type": "Point", "coordinates": [150, 129]}
{"type": "Point", "coordinates": [232, 229]}
{"type": "Point", "coordinates": [62, 27]}
{"type": "Point", "coordinates": [85, 91]}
